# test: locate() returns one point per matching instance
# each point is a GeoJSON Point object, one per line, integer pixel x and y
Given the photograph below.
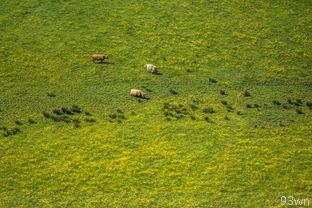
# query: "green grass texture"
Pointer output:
{"type": "Point", "coordinates": [227, 123]}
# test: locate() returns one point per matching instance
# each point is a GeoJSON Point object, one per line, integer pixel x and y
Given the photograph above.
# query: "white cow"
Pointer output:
{"type": "Point", "coordinates": [137, 93]}
{"type": "Point", "coordinates": [151, 68]}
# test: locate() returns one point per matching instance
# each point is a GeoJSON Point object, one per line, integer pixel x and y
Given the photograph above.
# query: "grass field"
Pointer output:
{"type": "Point", "coordinates": [228, 122]}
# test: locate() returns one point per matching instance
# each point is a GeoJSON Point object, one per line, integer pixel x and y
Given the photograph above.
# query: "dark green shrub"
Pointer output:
{"type": "Point", "coordinates": [227, 118]}
{"type": "Point", "coordinates": [58, 112]}
{"type": "Point", "coordinates": [166, 113]}
{"type": "Point", "coordinates": [16, 130]}
{"type": "Point", "coordinates": [62, 118]}
{"type": "Point", "coordinates": [169, 107]}
{"type": "Point", "coordinates": [119, 111]}
{"type": "Point", "coordinates": [91, 120]}
{"type": "Point", "coordinates": [66, 119]}
{"type": "Point", "coordinates": [276, 102]}
{"type": "Point", "coordinates": [257, 106]}
{"type": "Point", "coordinates": [229, 108]}
{"type": "Point", "coordinates": [189, 70]}
{"type": "Point", "coordinates": [77, 125]}
{"type": "Point", "coordinates": [239, 113]}
{"type": "Point", "coordinates": [113, 115]}
{"type": "Point", "coordinates": [192, 117]}
{"type": "Point", "coordinates": [76, 120]}
{"type": "Point", "coordinates": [224, 102]}
{"type": "Point", "coordinates": [88, 114]}
{"type": "Point", "coordinates": [51, 95]}
{"type": "Point", "coordinates": [222, 92]}
{"type": "Point", "coordinates": [31, 121]}
{"type": "Point", "coordinates": [184, 110]}
{"type": "Point", "coordinates": [179, 116]}
{"type": "Point", "coordinates": [177, 111]}
{"type": "Point", "coordinates": [170, 113]}
{"type": "Point", "coordinates": [299, 111]}
{"type": "Point", "coordinates": [46, 114]}
{"type": "Point", "coordinates": [193, 107]}
{"type": "Point", "coordinates": [299, 101]}
{"type": "Point", "coordinates": [249, 106]}
{"type": "Point", "coordinates": [208, 110]}
{"type": "Point", "coordinates": [67, 111]}
{"type": "Point", "coordinates": [18, 122]}
{"type": "Point", "coordinates": [207, 119]}
{"type": "Point", "coordinates": [173, 92]}
{"type": "Point", "coordinates": [196, 101]}
{"type": "Point", "coordinates": [122, 116]}
{"type": "Point", "coordinates": [247, 94]}
{"type": "Point", "coordinates": [55, 118]}
{"type": "Point", "coordinates": [286, 107]}
{"type": "Point", "coordinates": [309, 104]}
{"type": "Point", "coordinates": [133, 113]}
{"type": "Point", "coordinates": [166, 105]}
{"type": "Point", "coordinates": [290, 101]}
{"type": "Point", "coordinates": [11, 132]}
{"type": "Point", "coordinates": [76, 109]}
{"type": "Point", "coordinates": [212, 80]}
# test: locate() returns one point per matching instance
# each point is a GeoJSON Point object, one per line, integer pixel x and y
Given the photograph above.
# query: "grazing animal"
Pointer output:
{"type": "Point", "coordinates": [99, 57]}
{"type": "Point", "coordinates": [151, 68]}
{"type": "Point", "coordinates": [137, 93]}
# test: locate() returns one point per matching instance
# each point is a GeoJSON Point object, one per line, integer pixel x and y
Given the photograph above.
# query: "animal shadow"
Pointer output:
{"type": "Point", "coordinates": [140, 99]}
{"type": "Point", "coordinates": [158, 73]}
{"type": "Point", "coordinates": [104, 63]}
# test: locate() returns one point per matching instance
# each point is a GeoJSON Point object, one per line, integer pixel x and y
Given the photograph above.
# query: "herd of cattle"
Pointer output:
{"type": "Point", "coordinates": [134, 92]}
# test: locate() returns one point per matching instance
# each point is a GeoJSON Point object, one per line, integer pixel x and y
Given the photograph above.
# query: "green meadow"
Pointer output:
{"type": "Point", "coordinates": [227, 123]}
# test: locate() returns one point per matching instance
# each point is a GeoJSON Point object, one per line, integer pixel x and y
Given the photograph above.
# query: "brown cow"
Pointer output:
{"type": "Point", "coordinates": [99, 57]}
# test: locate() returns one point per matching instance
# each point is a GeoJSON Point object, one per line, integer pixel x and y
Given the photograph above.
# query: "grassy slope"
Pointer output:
{"type": "Point", "coordinates": [262, 47]}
